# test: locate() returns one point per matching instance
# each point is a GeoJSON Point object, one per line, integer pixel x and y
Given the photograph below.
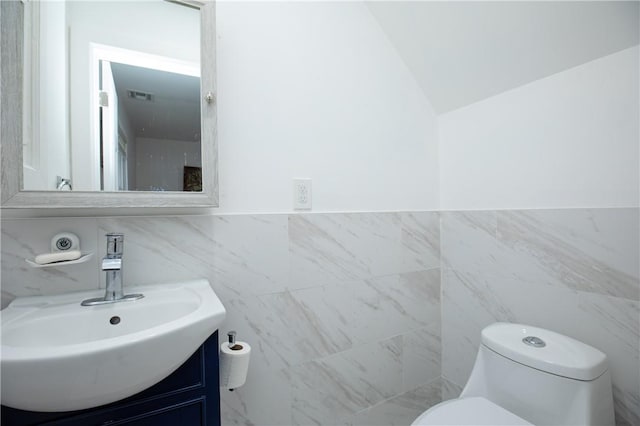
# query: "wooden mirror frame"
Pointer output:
{"type": "Point", "coordinates": [11, 123]}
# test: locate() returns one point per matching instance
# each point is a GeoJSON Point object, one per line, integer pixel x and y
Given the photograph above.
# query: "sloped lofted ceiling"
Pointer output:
{"type": "Point", "coordinates": [464, 51]}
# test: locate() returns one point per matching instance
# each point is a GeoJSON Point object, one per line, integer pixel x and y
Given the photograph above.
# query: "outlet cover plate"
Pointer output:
{"type": "Point", "coordinates": [302, 194]}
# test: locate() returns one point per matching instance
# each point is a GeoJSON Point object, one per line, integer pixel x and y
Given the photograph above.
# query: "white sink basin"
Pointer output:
{"type": "Point", "coordinates": [60, 356]}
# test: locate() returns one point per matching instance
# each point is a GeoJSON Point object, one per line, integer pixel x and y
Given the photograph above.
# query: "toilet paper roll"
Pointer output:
{"type": "Point", "coordinates": [234, 364]}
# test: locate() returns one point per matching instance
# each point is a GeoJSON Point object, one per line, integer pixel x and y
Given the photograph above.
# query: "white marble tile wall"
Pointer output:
{"type": "Point", "coordinates": [345, 312]}
{"type": "Point", "coordinates": [342, 310]}
{"type": "Point", "coordinates": [24, 239]}
{"type": "Point", "coordinates": [575, 271]}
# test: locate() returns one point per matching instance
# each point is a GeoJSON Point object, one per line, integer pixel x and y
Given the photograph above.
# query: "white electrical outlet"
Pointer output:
{"type": "Point", "coordinates": [302, 194]}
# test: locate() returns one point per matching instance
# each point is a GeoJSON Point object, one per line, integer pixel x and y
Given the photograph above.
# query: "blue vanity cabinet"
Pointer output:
{"type": "Point", "coordinates": [190, 396]}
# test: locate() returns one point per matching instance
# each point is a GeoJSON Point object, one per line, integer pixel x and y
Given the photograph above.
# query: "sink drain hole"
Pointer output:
{"type": "Point", "coordinates": [115, 320]}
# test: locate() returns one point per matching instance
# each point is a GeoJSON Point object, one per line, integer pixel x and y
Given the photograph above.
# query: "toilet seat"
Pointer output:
{"type": "Point", "coordinates": [468, 411]}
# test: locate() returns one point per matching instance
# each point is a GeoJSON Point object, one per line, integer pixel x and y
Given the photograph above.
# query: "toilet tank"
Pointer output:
{"type": "Point", "coordinates": [542, 376]}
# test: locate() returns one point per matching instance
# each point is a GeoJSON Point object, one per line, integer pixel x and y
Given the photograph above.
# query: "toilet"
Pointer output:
{"type": "Point", "coordinates": [527, 375]}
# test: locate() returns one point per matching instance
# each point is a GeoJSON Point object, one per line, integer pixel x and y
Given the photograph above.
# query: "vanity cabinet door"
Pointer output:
{"type": "Point", "coordinates": [186, 413]}
{"type": "Point", "coordinates": [159, 413]}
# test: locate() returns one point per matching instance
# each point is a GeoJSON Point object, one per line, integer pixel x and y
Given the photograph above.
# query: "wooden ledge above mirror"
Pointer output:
{"type": "Point", "coordinates": [18, 128]}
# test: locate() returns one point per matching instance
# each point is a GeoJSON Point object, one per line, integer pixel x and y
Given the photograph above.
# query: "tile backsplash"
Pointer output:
{"type": "Point", "coordinates": [574, 271]}
{"type": "Point", "coordinates": [342, 310]}
{"type": "Point", "coordinates": [370, 318]}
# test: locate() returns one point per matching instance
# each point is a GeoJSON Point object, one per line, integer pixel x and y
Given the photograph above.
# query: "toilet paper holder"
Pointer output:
{"type": "Point", "coordinates": [240, 348]}
{"type": "Point", "coordinates": [232, 341]}
{"type": "Point", "coordinates": [232, 344]}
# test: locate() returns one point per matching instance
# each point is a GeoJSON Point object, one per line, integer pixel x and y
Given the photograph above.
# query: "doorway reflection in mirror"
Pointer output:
{"type": "Point", "coordinates": [112, 94]}
{"type": "Point", "coordinates": [156, 133]}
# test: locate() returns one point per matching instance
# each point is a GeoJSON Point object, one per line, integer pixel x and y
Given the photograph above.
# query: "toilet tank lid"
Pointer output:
{"type": "Point", "coordinates": [560, 355]}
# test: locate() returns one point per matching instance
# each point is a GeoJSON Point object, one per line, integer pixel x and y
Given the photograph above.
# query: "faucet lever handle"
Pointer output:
{"type": "Point", "coordinates": [115, 243]}
{"type": "Point", "coordinates": [111, 264]}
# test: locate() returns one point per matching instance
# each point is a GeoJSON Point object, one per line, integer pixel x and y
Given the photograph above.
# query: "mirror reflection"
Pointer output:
{"type": "Point", "coordinates": [153, 134]}
{"type": "Point", "coordinates": [112, 96]}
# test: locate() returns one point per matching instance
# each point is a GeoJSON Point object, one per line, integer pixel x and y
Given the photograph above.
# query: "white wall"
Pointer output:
{"type": "Point", "coordinates": [50, 133]}
{"type": "Point", "coordinates": [459, 59]}
{"type": "Point", "coordinates": [160, 163]}
{"type": "Point", "coordinates": [154, 27]}
{"type": "Point", "coordinates": [53, 86]}
{"type": "Point", "coordinates": [569, 140]}
{"type": "Point", "coordinates": [316, 90]}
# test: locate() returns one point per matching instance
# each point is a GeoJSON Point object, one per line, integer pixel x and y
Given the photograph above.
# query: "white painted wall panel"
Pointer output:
{"type": "Point", "coordinates": [316, 90]}
{"type": "Point", "coordinates": [462, 52]}
{"type": "Point", "coordinates": [569, 140]}
{"type": "Point", "coordinates": [50, 133]}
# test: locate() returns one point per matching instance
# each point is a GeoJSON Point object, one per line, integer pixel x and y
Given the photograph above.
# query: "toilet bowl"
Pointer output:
{"type": "Point", "coordinates": [527, 375]}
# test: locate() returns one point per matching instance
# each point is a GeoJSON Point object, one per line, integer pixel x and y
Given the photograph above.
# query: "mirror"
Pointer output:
{"type": "Point", "coordinates": [148, 128]}
{"type": "Point", "coordinates": [118, 103]}
{"type": "Point", "coordinates": [157, 145]}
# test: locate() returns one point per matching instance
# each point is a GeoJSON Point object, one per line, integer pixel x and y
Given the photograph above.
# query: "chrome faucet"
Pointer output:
{"type": "Point", "coordinates": [112, 265]}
